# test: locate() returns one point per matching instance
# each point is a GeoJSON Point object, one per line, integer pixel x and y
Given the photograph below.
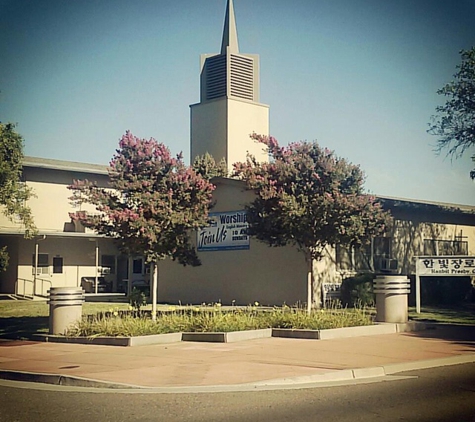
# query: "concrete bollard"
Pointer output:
{"type": "Point", "coordinates": [65, 308]}
{"type": "Point", "coordinates": [391, 298]}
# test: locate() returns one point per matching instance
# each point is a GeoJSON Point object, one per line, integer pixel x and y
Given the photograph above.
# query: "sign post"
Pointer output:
{"type": "Point", "coordinates": [442, 266]}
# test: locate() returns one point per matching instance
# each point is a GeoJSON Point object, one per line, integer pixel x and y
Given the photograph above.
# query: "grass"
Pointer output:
{"type": "Point", "coordinates": [21, 319]}
{"type": "Point", "coordinates": [458, 314]}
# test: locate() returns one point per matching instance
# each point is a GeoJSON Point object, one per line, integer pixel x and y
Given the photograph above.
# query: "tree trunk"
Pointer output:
{"type": "Point", "coordinates": [310, 283]}
{"type": "Point", "coordinates": [317, 287]}
{"type": "Point", "coordinates": [314, 289]}
{"type": "Point", "coordinates": [309, 286]}
{"type": "Point", "coordinates": [154, 290]}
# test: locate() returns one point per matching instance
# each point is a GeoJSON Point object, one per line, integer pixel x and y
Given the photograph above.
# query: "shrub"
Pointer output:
{"type": "Point", "coordinates": [215, 319]}
{"type": "Point", "coordinates": [137, 299]}
{"type": "Point", "coordinates": [358, 290]}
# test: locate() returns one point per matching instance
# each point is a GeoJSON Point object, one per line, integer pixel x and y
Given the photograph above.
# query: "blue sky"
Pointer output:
{"type": "Point", "coordinates": [358, 76]}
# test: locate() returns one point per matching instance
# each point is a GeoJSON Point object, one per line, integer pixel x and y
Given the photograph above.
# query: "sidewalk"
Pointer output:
{"type": "Point", "coordinates": [253, 363]}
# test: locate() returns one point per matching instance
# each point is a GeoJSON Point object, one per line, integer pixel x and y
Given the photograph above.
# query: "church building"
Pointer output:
{"type": "Point", "coordinates": [236, 269]}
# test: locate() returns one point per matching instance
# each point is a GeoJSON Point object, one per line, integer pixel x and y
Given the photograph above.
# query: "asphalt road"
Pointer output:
{"type": "Point", "coordinates": [440, 394]}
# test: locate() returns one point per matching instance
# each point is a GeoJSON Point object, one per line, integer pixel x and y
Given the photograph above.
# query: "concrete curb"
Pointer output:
{"type": "Point", "coordinates": [234, 336]}
{"type": "Point", "coordinates": [230, 337]}
{"type": "Point", "coordinates": [367, 373]}
{"type": "Point", "coordinates": [112, 341]}
{"type": "Point", "coordinates": [396, 368]}
{"type": "Point", "coordinates": [365, 330]}
{"type": "Point", "coordinates": [336, 377]}
{"type": "Point", "coordinates": [62, 380]}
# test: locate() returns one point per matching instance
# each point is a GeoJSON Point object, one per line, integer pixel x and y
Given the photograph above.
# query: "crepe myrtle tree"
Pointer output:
{"type": "Point", "coordinates": [308, 197]}
{"type": "Point", "coordinates": [152, 202]}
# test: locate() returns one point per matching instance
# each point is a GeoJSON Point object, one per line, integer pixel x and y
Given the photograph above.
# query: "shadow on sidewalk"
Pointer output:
{"type": "Point", "coordinates": [23, 327]}
{"type": "Point", "coordinates": [461, 334]}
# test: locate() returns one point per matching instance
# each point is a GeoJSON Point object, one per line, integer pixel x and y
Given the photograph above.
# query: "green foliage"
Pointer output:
{"type": "Point", "coordinates": [206, 166]}
{"type": "Point", "coordinates": [215, 319]}
{"type": "Point", "coordinates": [13, 193]}
{"type": "Point", "coordinates": [309, 197]}
{"type": "Point", "coordinates": [358, 290]}
{"type": "Point", "coordinates": [454, 123]}
{"type": "Point", "coordinates": [137, 299]}
{"type": "Point", "coordinates": [153, 202]}
{"type": "Point", "coordinates": [4, 258]}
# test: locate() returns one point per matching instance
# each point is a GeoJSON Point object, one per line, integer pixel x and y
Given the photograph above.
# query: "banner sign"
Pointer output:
{"type": "Point", "coordinates": [462, 266]}
{"type": "Point", "coordinates": [227, 231]}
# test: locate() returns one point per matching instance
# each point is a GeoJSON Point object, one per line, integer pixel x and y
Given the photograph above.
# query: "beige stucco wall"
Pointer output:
{"type": "Point", "coordinates": [222, 127]}
{"type": "Point", "coordinates": [244, 118]}
{"type": "Point", "coordinates": [271, 276]}
{"type": "Point", "coordinates": [208, 129]}
{"type": "Point", "coordinates": [50, 207]}
{"type": "Point", "coordinates": [79, 260]}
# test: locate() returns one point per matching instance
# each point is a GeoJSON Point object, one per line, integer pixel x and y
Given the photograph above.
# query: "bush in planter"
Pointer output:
{"type": "Point", "coordinates": [137, 299]}
{"type": "Point", "coordinates": [358, 290]}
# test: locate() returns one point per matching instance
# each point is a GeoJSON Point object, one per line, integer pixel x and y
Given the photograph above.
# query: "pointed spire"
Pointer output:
{"type": "Point", "coordinates": [230, 38]}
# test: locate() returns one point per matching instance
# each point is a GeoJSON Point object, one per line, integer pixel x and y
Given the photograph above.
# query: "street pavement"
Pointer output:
{"type": "Point", "coordinates": [266, 363]}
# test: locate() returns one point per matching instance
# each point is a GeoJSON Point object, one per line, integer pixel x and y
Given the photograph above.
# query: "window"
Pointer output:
{"type": "Point", "coordinates": [147, 268]}
{"type": "Point", "coordinates": [382, 247]}
{"type": "Point", "coordinates": [375, 256]}
{"type": "Point", "coordinates": [43, 263]}
{"type": "Point", "coordinates": [137, 266]}
{"type": "Point", "coordinates": [57, 265]}
{"type": "Point", "coordinates": [445, 247]}
{"type": "Point", "coordinates": [108, 261]}
{"type": "Point", "coordinates": [353, 259]}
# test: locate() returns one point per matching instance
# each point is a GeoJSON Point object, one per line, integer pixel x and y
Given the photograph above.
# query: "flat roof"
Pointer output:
{"type": "Point", "coordinates": [446, 205]}
{"type": "Point", "coordinates": [49, 163]}
{"type": "Point", "coordinates": [47, 233]}
{"type": "Point", "coordinates": [53, 164]}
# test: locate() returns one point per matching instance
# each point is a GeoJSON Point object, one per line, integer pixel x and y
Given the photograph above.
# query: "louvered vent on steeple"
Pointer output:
{"type": "Point", "coordinates": [242, 77]}
{"type": "Point", "coordinates": [230, 74]}
{"type": "Point", "coordinates": [216, 77]}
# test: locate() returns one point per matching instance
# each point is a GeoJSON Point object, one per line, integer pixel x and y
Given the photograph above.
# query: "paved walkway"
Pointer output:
{"type": "Point", "coordinates": [258, 363]}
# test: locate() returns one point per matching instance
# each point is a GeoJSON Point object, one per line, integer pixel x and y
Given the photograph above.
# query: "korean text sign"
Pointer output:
{"type": "Point", "coordinates": [446, 265]}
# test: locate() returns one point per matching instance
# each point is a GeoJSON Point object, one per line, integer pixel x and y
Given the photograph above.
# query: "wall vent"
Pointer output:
{"type": "Point", "coordinates": [216, 77]}
{"type": "Point", "coordinates": [242, 77]}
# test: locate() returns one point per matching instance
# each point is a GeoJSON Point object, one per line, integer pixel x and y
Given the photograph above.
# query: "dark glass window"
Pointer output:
{"type": "Point", "coordinates": [109, 262]}
{"type": "Point", "coordinates": [57, 265]}
{"type": "Point", "coordinates": [137, 266]}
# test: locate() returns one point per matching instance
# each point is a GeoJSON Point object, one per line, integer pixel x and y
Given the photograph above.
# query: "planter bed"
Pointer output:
{"type": "Point", "coordinates": [234, 336]}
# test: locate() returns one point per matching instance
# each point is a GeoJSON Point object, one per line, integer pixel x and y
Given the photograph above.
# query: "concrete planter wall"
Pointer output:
{"type": "Point", "coordinates": [234, 336]}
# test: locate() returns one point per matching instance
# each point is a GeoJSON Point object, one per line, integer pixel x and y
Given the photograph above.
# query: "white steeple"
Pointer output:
{"type": "Point", "coordinates": [230, 39]}
{"type": "Point", "coordinates": [229, 109]}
